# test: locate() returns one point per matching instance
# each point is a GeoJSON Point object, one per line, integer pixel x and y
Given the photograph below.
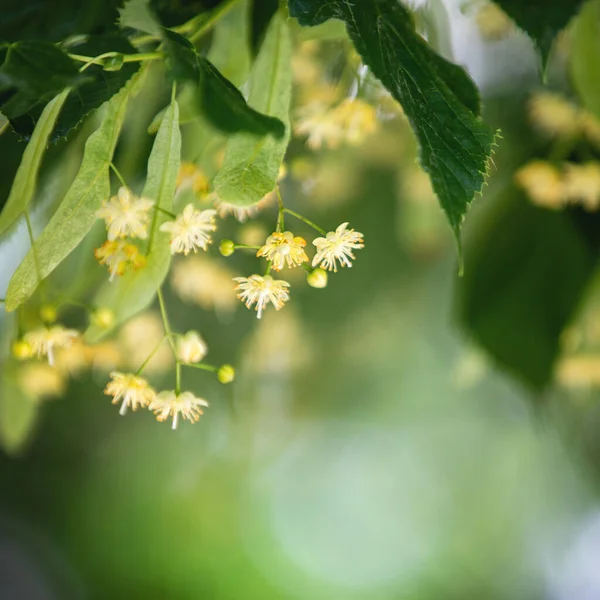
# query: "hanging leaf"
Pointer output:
{"type": "Point", "coordinates": [220, 101]}
{"type": "Point", "coordinates": [438, 98]}
{"type": "Point", "coordinates": [585, 56]}
{"type": "Point", "coordinates": [541, 19]}
{"type": "Point", "coordinates": [133, 291]}
{"type": "Point", "coordinates": [77, 212]}
{"type": "Point", "coordinates": [25, 180]}
{"type": "Point", "coordinates": [138, 15]}
{"type": "Point", "coordinates": [252, 163]}
{"type": "Point", "coordinates": [18, 414]}
{"type": "Point", "coordinates": [262, 11]}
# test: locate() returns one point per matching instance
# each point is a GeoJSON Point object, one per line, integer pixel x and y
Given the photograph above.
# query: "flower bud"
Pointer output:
{"type": "Point", "coordinates": [226, 374]}
{"type": "Point", "coordinates": [21, 349]}
{"type": "Point", "coordinates": [317, 278]}
{"type": "Point", "coordinates": [103, 318]}
{"type": "Point", "coordinates": [191, 348]}
{"type": "Point", "coordinates": [48, 313]}
{"type": "Point", "coordinates": [227, 247]}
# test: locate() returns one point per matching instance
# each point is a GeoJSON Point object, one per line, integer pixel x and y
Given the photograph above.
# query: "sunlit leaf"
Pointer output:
{"type": "Point", "coordinates": [585, 56]}
{"type": "Point", "coordinates": [252, 163]}
{"type": "Point", "coordinates": [77, 212]}
{"type": "Point", "coordinates": [220, 101]}
{"type": "Point", "coordinates": [133, 291]}
{"type": "Point", "coordinates": [18, 414]}
{"type": "Point", "coordinates": [25, 180]}
{"type": "Point", "coordinates": [439, 99]}
{"type": "Point", "coordinates": [541, 19]}
{"type": "Point", "coordinates": [138, 15]}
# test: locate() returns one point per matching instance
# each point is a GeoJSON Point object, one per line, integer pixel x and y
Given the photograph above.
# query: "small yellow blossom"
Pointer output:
{"type": "Point", "coordinates": [317, 123]}
{"type": "Point", "coordinates": [493, 23]}
{"type": "Point", "coordinates": [103, 317]}
{"type": "Point", "coordinates": [582, 184]}
{"type": "Point", "coordinates": [119, 256]}
{"type": "Point", "coordinates": [169, 404]}
{"type": "Point", "coordinates": [358, 119]}
{"type": "Point", "coordinates": [191, 175]}
{"type": "Point", "coordinates": [337, 245]}
{"type": "Point", "coordinates": [317, 278]}
{"type": "Point", "coordinates": [187, 170]}
{"type": "Point", "coordinates": [205, 282]}
{"type": "Point", "coordinates": [126, 215]}
{"type": "Point", "coordinates": [227, 247]}
{"type": "Point", "coordinates": [48, 313]}
{"type": "Point", "coordinates": [73, 359]}
{"type": "Point", "coordinates": [543, 184]}
{"type": "Point", "coordinates": [191, 348]}
{"type": "Point", "coordinates": [130, 390]}
{"type": "Point", "coordinates": [190, 230]}
{"type": "Point", "coordinates": [105, 357]}
{"type": "Point", "coordinates": [260, 290]}
{"type": "Point", "coordinates": [241, 213]}
{"type": "Point", "coordinates": [590, 126]}
{"type": "Point", "coordinates": [45, 340]}
{"type": "Point", "coordinates": [553, 115]}
{"type": "Point", "coordinates": [40, 381]}
{"type": "Point", "coordinates": [225, 374]}
{"type": "Point", "coordinates": [284, 247]}
{"type": "Point", "coordinates": [21, 350]}
{"type": "Point", "coordinates": [579, 371]}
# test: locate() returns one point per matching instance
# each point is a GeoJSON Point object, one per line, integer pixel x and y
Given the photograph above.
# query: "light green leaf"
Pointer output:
{"type": "Point", "coordinates": [18, 414]}
{"type": "Point", "coordinates": [138, 15]}
{"type": "Point", "coordinates": [133, 291]}
{"type": "Point", "coordinates": [230, 48]}
{"type": "Point", "coordinates": [25, 180]}
{"type": "Point", "coordinates": [77, 212]}
{"type": "Point", "coordinates": [252, 163]}
{"type": "Point", "coordinates": [585, 56]}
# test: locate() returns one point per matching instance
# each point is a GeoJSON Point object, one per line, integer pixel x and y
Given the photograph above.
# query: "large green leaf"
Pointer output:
{"type": "Point", "coordinates": [138, 15]}
{"type": "Point", "coordinates": [439, 99]}
{"type": "Point", "coordinates": [541, 19]}
{"type": "Point", "coordinates": [585, 56]}
{"type": "Point", "coordinates": [526, 269]}
{"type": "Point", "coordinates": [220, 101]}
{"type": "Point", "coordinates": [25, 180]}
{"type": "Point", "coordinates": [134, 291]}
{"type": "Point", "coordinates": [18, 414]}
{"type": "Point", "coordinates": [252, 163]}
{"type": "Point", "coordinates": [77, 212]}
{"type": "Point", "coordinates": [93, 87]}
{"type": "Point", "coordinates": [262, 11]}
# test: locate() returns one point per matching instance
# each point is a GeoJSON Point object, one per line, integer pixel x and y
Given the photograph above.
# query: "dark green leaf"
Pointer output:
{"type": "Point", "coordinates": [439, 99]}
{"type": "Point", "coordinates": [541, 19]}
{"type": "Point", "coordinates": [94, 87]}
{"type": "Point", "coordinates": [525, 272]}
{"type": "Point", "coordinates": [220, 101]}
{"type": "Point", "coordinates": [262, 12]}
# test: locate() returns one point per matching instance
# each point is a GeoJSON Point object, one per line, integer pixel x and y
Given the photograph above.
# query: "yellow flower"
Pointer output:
{"type": "Point", "coordinates": [553, 115]}
{"type": "Point", "coordinates": [284, 247]}
{"type": "Point", "coordinates": [45, 340]}
{"type": "Point", "coordinates": [119, 256]}
{"type": "Point", "coordinates": [40, 381]}
{"type": "Point", "coordinates": [357, 118]}
{"type": "Point", "coordinates": [241, 213]}
{"type": "Point", "coordinates": [191, 348]}
{"type": "Point", "coordinates": [126, 215]}
{"type": "Point", "coordinates": [190, 230]}
{"type": "Point", "coordinates": [225, 374]}
{"type": "Point", "coordinates": [582, 184]}
{"type": "Point", "coordinates": [105, 357]}
{"type": "Point", "coordinates": [21, 350]}
{"type": "Point", "coordinates": [590, 127]}
{"type": "Point", "coordinates": [317, 278]}
{"type": "Point", "coordinates": [317, 123]}
{"type": "Point", "coordinates": [542, 183]}
{"type": "Point", "coordinates": [493, 23]}
{"type": "Point", "coordinates": [337, 245]}
{"type": "Point", "coordinates": [130, 390]}
{"type": "Point", "coordinates": [187, 170]}
{"type": "Point", "coordinates": [579, 371]}
{"type": "Point", "coordinates": [205, 282]}
{"type": "Point", "coordinates": [169, 404]}
{"type": "Point", "coordinates": [260, 290]}
{"type": "Point", "coordinates": [73, 359]}
{"type": "Point", "coordinates": [191, 175]}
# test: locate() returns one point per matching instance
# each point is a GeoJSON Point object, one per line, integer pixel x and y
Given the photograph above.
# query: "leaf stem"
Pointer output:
{"type": "Point", "coordinates": [165, 320]}
{"type": "Point", "coordinates": [217, 13]}
{"type": "Point", "coordinates": [201, 366]}
{"type": "Point", "coordinates": [98, 60]}
{"type": "Point", "coordinates": [150, 356]}
{"type": "Point", "coordinates": [177, 378]}
{"type": "Point", "coordinates": [118, 174]}
{"type": "Point", "coordinates": [246, 247]}
{"type": "Point", "coordinates": [281, 209]}
{"type": "Point", "coordinates": [305, 220]}
{"type": "Point", "coordinates": [33, 248]}
{"type": "Point", "coordinates": [165, 212]}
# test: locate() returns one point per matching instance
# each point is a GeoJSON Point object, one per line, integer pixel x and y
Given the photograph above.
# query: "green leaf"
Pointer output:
{"type": "Point", "coordinates": [18, 414]}
{"type": "Point", "coordinates": [133, 291]}
{"type": "Point", "coordinates": [541, 19]}
{"type": "Point", "coordinates": [526, 269]}
{"type": "Point", "coordinates": [138, 15]}
{"type": "Point", "coordinates": [25, 180]}
{"type": "Point", "coordinates": [262, 11]}
{"type": "Point", "coordinates": [94, 87]}
{"type": "Point", "coordinates": [230, 48]}
{"type": "Point", "coordinates": [220, 101]}
{"type": "Point", "coordinates": [252, 163]}
{"type": "Point", "coordinates": [439, 99]}
{"type": "Point", "coordinates": [585, 56]}
{"type": "Point", "coordinates": [77, 212]}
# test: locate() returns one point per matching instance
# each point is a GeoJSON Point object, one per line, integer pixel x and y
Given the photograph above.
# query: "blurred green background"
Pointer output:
{"type": "Point", "coordinates": [369, 449]}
